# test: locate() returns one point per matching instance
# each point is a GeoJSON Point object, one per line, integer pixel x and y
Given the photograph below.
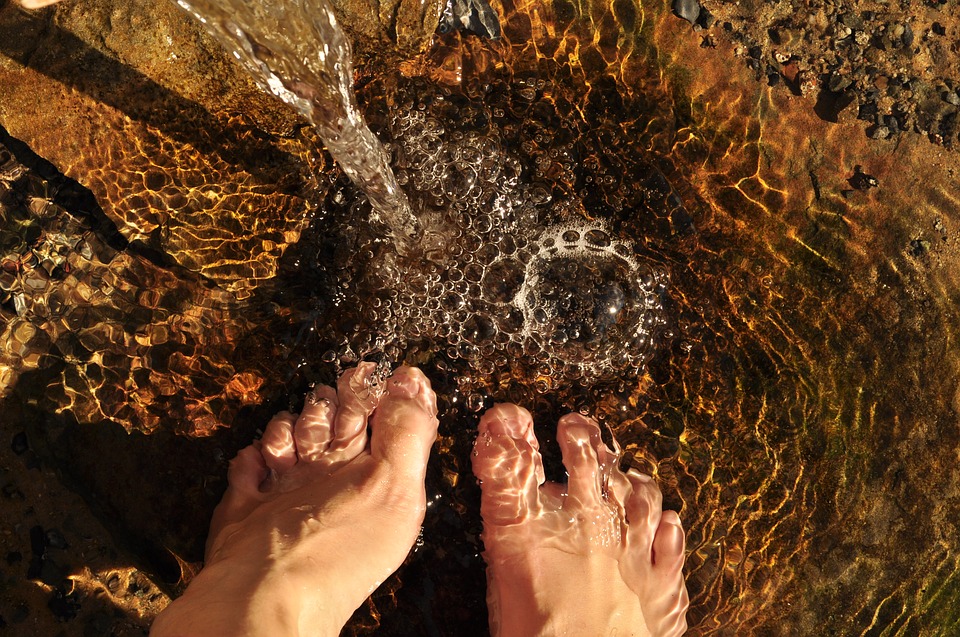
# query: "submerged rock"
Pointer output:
{"type": "Point", "coordinates": [689, 10]}
{"type": "Point", "coordinates": [473, 16]}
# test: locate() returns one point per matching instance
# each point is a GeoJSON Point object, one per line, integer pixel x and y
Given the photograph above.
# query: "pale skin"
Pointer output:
{"type": "Point", "coordinates": [595, 557]}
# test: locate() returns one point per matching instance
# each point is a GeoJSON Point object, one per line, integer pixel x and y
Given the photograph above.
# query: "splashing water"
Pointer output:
{"type": "Point", "coordinates": [296, 50]}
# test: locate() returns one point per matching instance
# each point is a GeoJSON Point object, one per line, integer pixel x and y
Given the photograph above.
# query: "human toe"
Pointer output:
{"type": "Point", "coordinates": [644, 509]}
{"type": "Point", "coordinates": [404, 425]}
{"type": "Point", "coordinates": [314, 428]}
{"type": "Point", "coordinates": [244, 476]}
{"type": "Point", "coordinates": [668, 613]}
{"type": "Point", "coordinates": [277, 445]}
{"type": "Point", "coordinates": [358, 396]}
{"type": "Point", "coordinates": [582, 447]}
{"type": "Point", "coordinates": [669, 542]}
{"type": "Point", "coordinates": [507, 462]}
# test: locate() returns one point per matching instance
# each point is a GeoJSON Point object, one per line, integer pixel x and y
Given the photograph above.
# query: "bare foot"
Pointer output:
{"type": "Point", "coordinates": [314, 518]}
{"type": "Point", "coordinates": [597, 556]}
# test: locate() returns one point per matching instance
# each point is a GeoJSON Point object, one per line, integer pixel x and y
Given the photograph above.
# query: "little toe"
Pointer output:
{"type": "Point", "coordinates": [314, 428]}
{"type": "Point", "coordinates": [244, 476]}
{"type": "Point", "coordinates": [404, 425]}
{"type": "Point", "coordinates": [357, 399]}
{"type": "Point", "coordinates": [667, 615]}
{"type": "Point", "coordinates": [581, 446]}
{"type": "Point", "coordinates": [506, 460]}
{"type": "Point", "coordinates": [277, 445]}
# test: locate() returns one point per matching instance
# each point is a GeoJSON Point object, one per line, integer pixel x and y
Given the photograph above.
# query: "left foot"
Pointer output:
{"type": "Point", "coordinates": [315, 516]}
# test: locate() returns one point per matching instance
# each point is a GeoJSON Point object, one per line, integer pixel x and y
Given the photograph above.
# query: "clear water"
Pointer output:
{"type": "Point", "coordinates": [296, 50]}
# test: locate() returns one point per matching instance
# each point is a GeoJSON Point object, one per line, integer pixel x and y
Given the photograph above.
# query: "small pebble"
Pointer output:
{"type": "Point", "coordinates": [19, 443]}
{"type": "Point", "coordinates": [11, 492]}
{"type": "Point", "coordinates": [56, 540]}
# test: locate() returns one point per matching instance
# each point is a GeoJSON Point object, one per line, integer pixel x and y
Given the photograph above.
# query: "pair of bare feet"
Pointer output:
{"type": "Point", "coordinates": [317, 515]}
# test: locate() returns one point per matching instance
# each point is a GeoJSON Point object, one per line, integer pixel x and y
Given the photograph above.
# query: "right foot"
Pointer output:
{"type": "Point", "coordinates": [596, 557]}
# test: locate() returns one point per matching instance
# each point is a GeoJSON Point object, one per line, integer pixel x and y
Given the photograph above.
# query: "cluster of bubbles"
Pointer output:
{"type": "Point", "coordinates": [506, 273]}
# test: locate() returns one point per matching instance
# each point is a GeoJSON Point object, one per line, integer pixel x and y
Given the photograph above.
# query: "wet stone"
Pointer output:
{"type": "Point", "coordinates": [113, 583]}
{"type": "Point", "coordinates": [19, 443]}
{"type": "Point", "coordinates": [12, 492]}
{"type": "Point", "coordinates": [689, 10]}
{"type": "Point", "coordinates": [38, 540]}
{"type": "Point", "coordinates": [64, 606]}
{"type": "Point", "coordinates": [56, 540]}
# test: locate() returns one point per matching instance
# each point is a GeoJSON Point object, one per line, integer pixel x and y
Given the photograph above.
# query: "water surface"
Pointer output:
{"type": "Point", "coordinates": [798, 405]}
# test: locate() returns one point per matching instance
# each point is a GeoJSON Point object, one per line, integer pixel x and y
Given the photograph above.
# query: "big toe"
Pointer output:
{"type": "Point", "coordinates": [246, 473]}
{"type": "Point", "coordinates": [506, 460]}
{"type": "Point", "coordinates": [404, 425]}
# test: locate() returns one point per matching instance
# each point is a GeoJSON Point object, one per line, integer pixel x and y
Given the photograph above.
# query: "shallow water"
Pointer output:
{"type": "Point", "coordinates": [297, 51]}
{"type": "Point", "coordinates": [798, 404]}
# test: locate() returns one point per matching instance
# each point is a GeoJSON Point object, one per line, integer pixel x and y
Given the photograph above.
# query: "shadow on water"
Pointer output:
{"type": "Point", "coordinates": [35, 40]}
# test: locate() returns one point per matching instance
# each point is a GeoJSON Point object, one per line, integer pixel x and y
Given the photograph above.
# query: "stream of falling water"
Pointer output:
{"type": "Point", "coordinates": [296, 50]}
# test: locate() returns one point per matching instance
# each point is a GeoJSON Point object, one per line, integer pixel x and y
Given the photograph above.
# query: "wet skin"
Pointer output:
{"type": "Point", "coordinates": [328, 504]}
{"type": "Point", "coordinates": [597, 556]}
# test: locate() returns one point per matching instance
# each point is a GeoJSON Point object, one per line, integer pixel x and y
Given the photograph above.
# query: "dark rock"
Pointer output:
{"type": "Point", "coordinates": [861, 180]}
{"type": "Point", "coordinates": [830, 104]}
{"type": "Point", "coordinates": [867, 111]}
{"type": "Point", "coordinates": [56, 540]}
{"type": "Point", "coordinates": [939, 29]}
{"type": "Point", "coordinates": [64, 606]}
{"type": "Point", "coordinates": [852, 20]}
{"type": "Point", "coordinates": [706, 19]}
{"type": "Point", "coordinates": [19, 443]}
{"type": "Point", "coordinates": [815, 182]}
{"type": "Point", "coordinates": [14, 557]}
{"type": "Point", "coordinates": [11, 492]}
{"type": "Point", "coordinates": [907, 37]}
{"type": "Point", "coordinates": [472, 16]}
{"type": "Point", "coordinates": [689, 10]}
{"type": "Point", "coordinates": [878, 132]}
{"type": "Point", "coordinates": [919, 247]}
{"type": "Point", "coordinates": [38, 540]}
{"type": "Point", "coordinates": [839, 82]}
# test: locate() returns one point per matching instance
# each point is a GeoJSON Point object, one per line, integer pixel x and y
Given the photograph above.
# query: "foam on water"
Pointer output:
{"type": "Point", "coordinates": [500, 280]}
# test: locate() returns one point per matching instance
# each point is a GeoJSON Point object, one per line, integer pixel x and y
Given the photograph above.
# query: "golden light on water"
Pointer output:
{"type": "Point", "coordinates": [802, 417]}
